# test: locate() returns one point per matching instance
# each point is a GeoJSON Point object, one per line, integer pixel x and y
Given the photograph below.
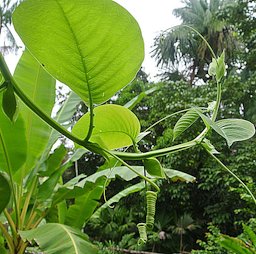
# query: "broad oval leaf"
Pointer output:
{"type": "Point", "coordinates": [39, 86]}
{"type": "Point", "coordinates": [13, 144]}
{"type": "Point", "coordinates": [236, 129]}
{"type": "Point", "coordinates": [94, 47]}
{"type": "Point", "coordinates": [234, 245]}
{"type": "Point", "coordinates": [5, 192]}
{"type": "Point", "coordinates": [114, 126]}
{"type": "Point", "coordinates": [185, 122]}
{"type": "Point", "coordinates": [54, 238]}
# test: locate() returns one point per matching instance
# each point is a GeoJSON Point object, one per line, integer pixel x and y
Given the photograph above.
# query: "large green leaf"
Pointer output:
{"type": "Point", "coordinates": [68, 109]}
{"type": "Point", "coordinates": [85, 205]}
{"type": "Point", "coordinates": [231, 129]}
{"type": "Point", "coordinates": [13, 145]}
{"type": "Point", "coordinates": [79, 185]}
{"type": "Point", "coordinates": [93, 46]}
{"type": "Point", "coordinates": [176, 175]}
{"type": "Point", "coordinates": [5, 192]}
{"type": "Point", "coordinates": [54, 161]}
{"type": "Point", "coordinates": [64, 117]}
{"type": "Point", "coordinates": [39, 86]}
{"type": "Point", "coordinates": [236, 129]}
{"type": "Point", "coordinates": [114, 126]}
{"type": "Point", "coordinates": [235, 245]}
{"type": "Point", "coordinates": [251, 234]}
{"type": "Point", "coordinates": [185, 122]}
{"type": "Point", "coordinates": [54, 238]}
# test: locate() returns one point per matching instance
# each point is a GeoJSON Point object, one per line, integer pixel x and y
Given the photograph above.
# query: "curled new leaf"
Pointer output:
{"type": "Point", "coordinates": [114, 126]}
{"type": "Point", "coordinates": [154, 167]}
{"type": "Point", "coordinates": [217, 67]}
{"type": "Point", "coordinates": [89, 47]}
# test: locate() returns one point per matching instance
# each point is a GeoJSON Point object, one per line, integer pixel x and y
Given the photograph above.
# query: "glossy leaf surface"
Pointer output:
{"type": "Point", "coordinates": [5, 192]}
{"type": "Point", "coordinates": [54, 238]}
{"type": "Point", "coordinates": [39, 86]}
{"type": "Point", "coordinates": [114, 126]}
{"type": "Point", "coordinates": [95, 47]}
{"type": "Point", "coordinates": [13, 144]}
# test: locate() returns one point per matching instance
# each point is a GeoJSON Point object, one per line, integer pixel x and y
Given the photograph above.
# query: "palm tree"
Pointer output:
{"type": "Point", "coordinates": [183, 225]}
{"type": "Point", "coordinates": [180, 46]}
{"type": "Point", "coordinates": [7, 40]}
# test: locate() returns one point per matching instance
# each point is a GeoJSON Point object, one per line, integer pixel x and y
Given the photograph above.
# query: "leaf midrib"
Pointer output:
{"type": "Point", "coordinates": [78, 48]}
{"type": "Point", "coordinates": [71, 238]}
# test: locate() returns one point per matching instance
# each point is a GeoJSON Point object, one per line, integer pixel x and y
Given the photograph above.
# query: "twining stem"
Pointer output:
{"type": "Point", "coordinates": [88, 145]}
{"type": "Point", "coordinates": [133, 170]}
{"type": "Point", "coordinates": [91, 126]}
{"type": "Point", "coordinates": [234, 175]}
{"type": "Point", "coordinates": [7, 238]}
{"type": "Point", "coordinates": [155, 153]}
{"type": "Point", "coordinates": [201, 36]}
{"type": "Point", "coordinates": [215, 111]}
{"type": "Point", "coordinates": [171, 115]}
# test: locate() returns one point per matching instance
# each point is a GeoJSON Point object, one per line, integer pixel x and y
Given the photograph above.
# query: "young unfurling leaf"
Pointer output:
{"type": "Point", "coordinates": [154, 168]}
{"type": "Point", "coordinates": [217, 67]}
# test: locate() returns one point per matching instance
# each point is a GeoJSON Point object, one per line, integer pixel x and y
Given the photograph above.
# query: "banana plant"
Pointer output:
{"type": "Point", "coordinates": [240, 246]}
{"type": "Point", "coordinates": [95, 48]}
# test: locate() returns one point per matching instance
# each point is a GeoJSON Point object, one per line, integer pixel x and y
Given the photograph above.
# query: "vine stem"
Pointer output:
{"type": "Point", "coordinates": [171, 115]}
{"type": "Point", "coordinates": [234, 175]}
{"type": "Point", "coordinates": [133, 170]}
{"type": "Point", "coordinates": [91, 126]}
{"type": "Point", "coordinates": [88, 145]}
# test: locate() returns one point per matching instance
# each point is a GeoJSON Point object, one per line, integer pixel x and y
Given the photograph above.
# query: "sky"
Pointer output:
{"type": "Point", "coordinates": [152, 16]}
